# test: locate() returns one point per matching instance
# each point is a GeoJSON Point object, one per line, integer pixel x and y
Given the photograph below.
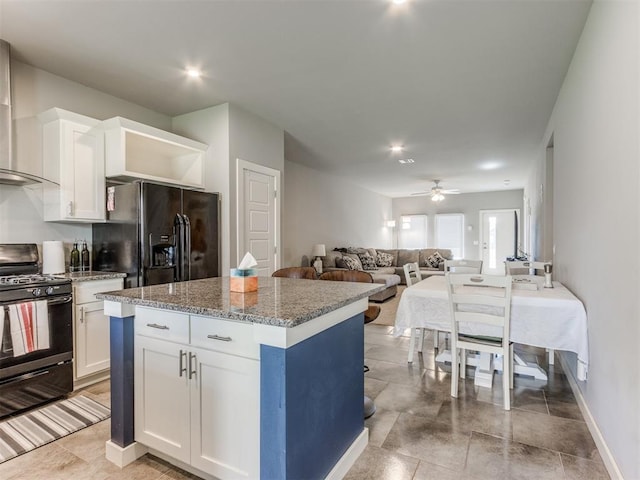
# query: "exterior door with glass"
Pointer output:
{"type": "Point", "coordinates": [498, 239]}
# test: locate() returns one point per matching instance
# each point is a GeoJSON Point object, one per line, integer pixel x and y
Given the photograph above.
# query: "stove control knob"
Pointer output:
{"type": "Point", "coordinates": [36, 292]}
{"type": "Point", "coordinates": [49, 290]}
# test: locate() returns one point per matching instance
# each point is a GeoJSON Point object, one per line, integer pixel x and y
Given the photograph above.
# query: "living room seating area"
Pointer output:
{"type": "Point", "coordinates": [386, 265]}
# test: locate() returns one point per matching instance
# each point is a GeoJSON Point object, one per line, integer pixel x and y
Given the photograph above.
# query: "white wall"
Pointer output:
{"type": "Point", "coordinates": [596, 217]}
{"type": "Point", "coordinates": [321, 208]}
{"type": "Point", "coordinates": [35, 91]}
{"type": "Point", "coordinates": [468, 204]}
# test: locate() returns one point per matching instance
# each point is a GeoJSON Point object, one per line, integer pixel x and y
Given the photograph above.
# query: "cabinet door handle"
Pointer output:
{"type": "Point", "coordinates": [159, 327]}
{"type": "Point", "coordinates": [70, 209]}
{"type": "Point", "coordinates": [218, 337]}
{"type": "Point", "coordinates": [192, 371]}
{"type": "Point", "coordinates": [183, 368]}
{"type": "Point", "coordinates": [81, 314]}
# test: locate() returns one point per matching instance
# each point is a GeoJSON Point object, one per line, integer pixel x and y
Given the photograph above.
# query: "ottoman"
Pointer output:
{"type": "Point", "coordinates": [391, 280]}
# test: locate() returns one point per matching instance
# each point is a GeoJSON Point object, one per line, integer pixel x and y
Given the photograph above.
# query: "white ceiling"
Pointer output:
{"type": "Point", "coordinates": [463, 85]}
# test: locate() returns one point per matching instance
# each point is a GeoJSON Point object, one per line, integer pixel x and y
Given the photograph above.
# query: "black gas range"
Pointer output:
{"type": "Point", "coordinates": [36, 349]}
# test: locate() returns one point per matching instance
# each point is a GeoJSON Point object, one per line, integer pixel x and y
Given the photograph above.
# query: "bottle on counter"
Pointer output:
{"type": "Point", "coordinates": [85, 257]}
{"type": "Point", "coordinates": [74, 259]}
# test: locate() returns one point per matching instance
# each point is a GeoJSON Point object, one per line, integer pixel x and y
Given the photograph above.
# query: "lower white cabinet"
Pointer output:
{"type": "Point", "coordinates": [91, 331]}
{"type": "Point", "coordinates": [198, 405]}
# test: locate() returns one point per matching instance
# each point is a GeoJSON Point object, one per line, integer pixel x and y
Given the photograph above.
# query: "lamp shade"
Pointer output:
{"type": "Point", "coordinates": [318, 250]}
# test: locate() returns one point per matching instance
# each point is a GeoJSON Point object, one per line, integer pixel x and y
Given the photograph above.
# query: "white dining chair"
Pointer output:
{"type": "Point", "coordinates": [480, 303]}
{"type": "Point", "coordinates": [412, 275]}
{"type": "Point", "coordinates": [463, 266]}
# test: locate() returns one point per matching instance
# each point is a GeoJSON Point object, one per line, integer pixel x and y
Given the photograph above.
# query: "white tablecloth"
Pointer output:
{"type": "Point", "coordinates": [548, 317]}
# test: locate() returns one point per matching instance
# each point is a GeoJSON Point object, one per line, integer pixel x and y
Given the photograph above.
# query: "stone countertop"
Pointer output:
{"type": "Point", "coordinates": [282, 302]}
{"type": "Point", "coordinates": [93, 275]}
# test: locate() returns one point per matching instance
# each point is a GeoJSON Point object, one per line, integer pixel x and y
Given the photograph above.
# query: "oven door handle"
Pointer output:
{"type": "Point", "coordinates": [60, 300]}
{"type": "Point", "coordinates": [50, 301]}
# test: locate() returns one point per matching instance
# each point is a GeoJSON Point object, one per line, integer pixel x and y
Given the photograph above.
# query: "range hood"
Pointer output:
{"type": "Point", "coordinates": [9, 174]}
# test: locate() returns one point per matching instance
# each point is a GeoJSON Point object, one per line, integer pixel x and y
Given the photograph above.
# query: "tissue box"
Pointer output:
{"type": "Point", "coordinates": [243, 280]}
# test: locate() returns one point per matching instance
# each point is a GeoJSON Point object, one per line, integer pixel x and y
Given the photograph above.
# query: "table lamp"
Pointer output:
{"type": "Point", "coordinates": [317, 252]}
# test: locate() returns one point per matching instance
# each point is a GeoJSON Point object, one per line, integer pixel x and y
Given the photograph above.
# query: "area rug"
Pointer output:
{"type": "Point", "coordinates": [35, 428]}
{"type": "Point", "coordinates": [388, 309]}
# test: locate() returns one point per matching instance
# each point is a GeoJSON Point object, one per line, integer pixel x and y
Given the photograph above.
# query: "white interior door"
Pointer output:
{"type": "Point", "coordinates": [498, 238]}
{"type": "Point", "coordinates": [258, 215]}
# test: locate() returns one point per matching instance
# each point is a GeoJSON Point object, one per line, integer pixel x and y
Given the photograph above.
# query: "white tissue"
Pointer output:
{"type": "Point", "coordinates": [247, 262]}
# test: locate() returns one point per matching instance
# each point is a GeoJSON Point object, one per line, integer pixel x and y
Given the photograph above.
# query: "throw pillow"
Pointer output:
{"type": "Point", "coordinates": [351, 263]}
{"type": "Point", "coordinates": [435, 260]}
{"type": "Point", "coordinates": [368, 262]}
{"type": "Point", "coordinates": [384, 259]}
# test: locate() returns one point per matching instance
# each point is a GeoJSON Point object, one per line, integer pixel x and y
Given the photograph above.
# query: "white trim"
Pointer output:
{"type": "Point", "coordinates": [118, 309]}
{"type": "Point", "coordinates": [123, 456]}
{"type": "Point", "coordinates": [287, 337]}
{"type": "Point", "coordinates": [607, 457]}
{"type": "Point", "coordinates": [242, 165]}
{"type": "Point", "coordinates": [347, 460]}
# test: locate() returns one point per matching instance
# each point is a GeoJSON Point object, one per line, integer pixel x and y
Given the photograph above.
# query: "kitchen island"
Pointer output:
{"type": "Point", "coordinates": [266, 384]}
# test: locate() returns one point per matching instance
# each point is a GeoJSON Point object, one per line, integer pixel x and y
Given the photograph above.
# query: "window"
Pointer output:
{"type": "Point", "coordinates": [450, 233]}
{"type": "Point", "coordinates": [413, 231]}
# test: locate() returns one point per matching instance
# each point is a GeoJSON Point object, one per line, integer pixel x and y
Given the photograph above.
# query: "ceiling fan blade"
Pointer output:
{"type": "Point", "coordinates": [450, 192]}
{"type": "Point", "coordinates": [418, 194]}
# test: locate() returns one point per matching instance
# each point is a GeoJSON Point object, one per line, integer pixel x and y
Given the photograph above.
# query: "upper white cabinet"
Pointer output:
{"type": "Point", "coordinates": [73, 157]}
{"type": "Point", "coordinates": [138, 151]}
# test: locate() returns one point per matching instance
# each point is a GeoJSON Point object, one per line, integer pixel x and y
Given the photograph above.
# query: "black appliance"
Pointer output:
{"type": "Point", "coordinates": [31, 376]}
{"type": "Point", "coordinates": [158, 234]}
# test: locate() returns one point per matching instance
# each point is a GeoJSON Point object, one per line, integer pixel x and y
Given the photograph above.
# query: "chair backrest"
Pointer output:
{"type": "Point", "coordinates": [347, 276]}
{"type": "Point", "coordinates": [525, 268]}
{"type": "Point", "coordinates": [308, 273]}
{"type": "Point", "coordinates": [463, 266]}
{"type": "Point", "coordinates": [412, 273]}
{"type": "Point", "coordinates": [481, 302]}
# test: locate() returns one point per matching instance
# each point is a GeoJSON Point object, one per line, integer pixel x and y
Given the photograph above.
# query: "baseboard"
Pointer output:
{"type": "Point", "coordinates": [123, 456]}
{"type": "Point", "coordinates": [607, 457]}
{"type": "Point", "coordinates": [347, 460]}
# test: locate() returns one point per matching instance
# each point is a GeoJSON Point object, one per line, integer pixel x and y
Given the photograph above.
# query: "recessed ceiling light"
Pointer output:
{"type": "Point", "coordinates": [398, 2]}
{"type": "Point", "coordinates": [396, 148]}
{"type": "Point", "coordinates": [506, 183]}
{"type": "Point", "coordinates": [406, 160]}
{"type": "Point", "coordinates": [193, 73]}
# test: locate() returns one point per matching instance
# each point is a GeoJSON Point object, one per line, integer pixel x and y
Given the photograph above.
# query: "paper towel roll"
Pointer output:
{"type": "Point", "coordinates": [52, 257]}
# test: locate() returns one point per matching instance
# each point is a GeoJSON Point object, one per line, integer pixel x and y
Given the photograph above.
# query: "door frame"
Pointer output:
{"type": "Point", "coordinates": [241, 167]}
{"type": "Point", "coordinates": [481, 228]}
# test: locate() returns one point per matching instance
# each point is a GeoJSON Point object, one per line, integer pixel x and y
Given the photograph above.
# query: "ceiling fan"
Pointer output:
{"type": "Point", "coordinates": [437, 193]}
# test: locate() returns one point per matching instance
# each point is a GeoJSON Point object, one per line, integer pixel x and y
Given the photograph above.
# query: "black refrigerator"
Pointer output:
{"type": "Point", "coordinates": [158, 234]}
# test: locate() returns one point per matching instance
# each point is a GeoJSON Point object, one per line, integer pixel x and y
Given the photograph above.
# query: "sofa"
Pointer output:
{"type": "Point", "coordinates": [387, 268]}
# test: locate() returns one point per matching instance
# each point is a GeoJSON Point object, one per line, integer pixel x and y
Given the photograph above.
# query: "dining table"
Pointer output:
{"type": "Point", "coordinates": [551, 318]}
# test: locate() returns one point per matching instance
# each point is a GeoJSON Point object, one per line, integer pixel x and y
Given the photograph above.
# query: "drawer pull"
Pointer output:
{"type": "Point", "coordinates": [183, 368]}
{"type": "Point", "coordinates": [159, 327]}
{"type": "Point", "coordinates": [192, 371]}
{"type": "Point", "coordinates": [218, 337]}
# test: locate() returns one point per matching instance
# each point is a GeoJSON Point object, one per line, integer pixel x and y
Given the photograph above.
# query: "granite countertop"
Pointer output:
{"type": "Point", "coordinates": [92, 275]}
{"type": "Point", "coordinates": [282, 302]}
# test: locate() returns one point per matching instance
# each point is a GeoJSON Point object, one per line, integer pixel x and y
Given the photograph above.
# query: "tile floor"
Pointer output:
{"type": "Point", "coordinates": [418, 431]}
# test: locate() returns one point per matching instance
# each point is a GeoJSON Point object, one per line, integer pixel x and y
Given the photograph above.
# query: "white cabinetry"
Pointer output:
{"type": "Point", "coordinates": [138, 151]}
{"type": "Point", "coordinates": [73, 157]}
{"type": "Point", "coordinates": [197, 391]}
{"type": "Point", "coordinates": [91, 328]}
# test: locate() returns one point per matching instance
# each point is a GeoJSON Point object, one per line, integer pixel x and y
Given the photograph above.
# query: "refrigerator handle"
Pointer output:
{"type": "Point", "coordinates": [178, 224]}
{"type": "Point", "coordinates": [187, 246]}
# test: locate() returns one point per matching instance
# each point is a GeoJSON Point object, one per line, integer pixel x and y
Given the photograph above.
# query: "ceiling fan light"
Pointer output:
{"type": "Point", "coordinates": [437, 197]}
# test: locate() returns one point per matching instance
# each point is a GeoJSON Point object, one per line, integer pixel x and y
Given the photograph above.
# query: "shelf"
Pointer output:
{"type": "Point", "coordinates": [137, 151]}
